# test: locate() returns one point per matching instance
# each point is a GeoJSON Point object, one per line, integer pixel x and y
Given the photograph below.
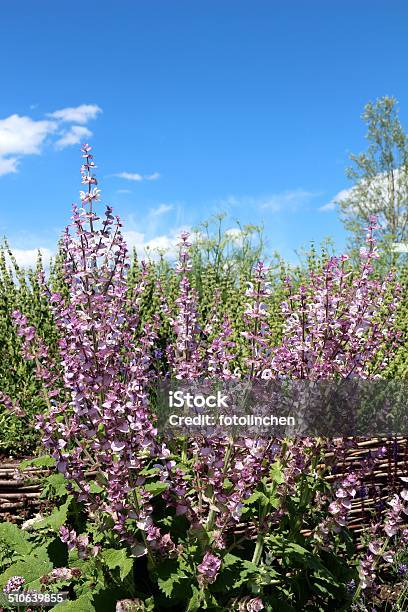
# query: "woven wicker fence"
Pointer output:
{"type": "Point", "coordinates": [19, 493]}
{"type": "Point", "coordinates": [387, 460]}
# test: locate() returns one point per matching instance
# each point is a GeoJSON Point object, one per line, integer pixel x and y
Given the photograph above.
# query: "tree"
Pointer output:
{"type": "Point", "coordinates": [380, 178]}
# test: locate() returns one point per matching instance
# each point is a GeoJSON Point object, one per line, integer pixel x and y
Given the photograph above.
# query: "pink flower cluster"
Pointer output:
{"type": "Point", "coordinates": [15, 583]}
{"type": "Point", "coordinates": [11, 405]}
{"type": "Point", "coordinates": [78, 542]}
{"type": "Point", "coordinates": [209, 568]}
{"type": "Point", "coordinates": [98, 418]}
{"type": "Point", "coordinates": [61, 573]}
{"type": "Point", "coordinates": [384, 549]}
{"type": "Point", "coordinates": [332, 327]}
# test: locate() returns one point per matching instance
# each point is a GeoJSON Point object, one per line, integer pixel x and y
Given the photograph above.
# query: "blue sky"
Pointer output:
{"type": "Point", "coordinates": [193, 107]}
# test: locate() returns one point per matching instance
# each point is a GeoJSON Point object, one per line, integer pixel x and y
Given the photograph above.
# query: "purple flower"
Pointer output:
{"type": "Point", "coordinates": [209, 568]}
{"type": "Point", "coordinates": [375, 547]}
{"type": "Point", "coordinates": [254, 605]}
{"type": "Point", "coordinates": [330, 323]}
{"type": "Point", "coordinates": [14, 583]}
{"type": "Point", "coordinates": [61, 573]}
{"type": "Point", "coordinates": [402, 569]}
{"type": "Point", "coordinates": [339, 509]}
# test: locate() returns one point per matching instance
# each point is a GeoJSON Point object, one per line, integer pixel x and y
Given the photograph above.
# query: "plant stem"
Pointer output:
{"type": "Point", "coordinates": [258, 548]}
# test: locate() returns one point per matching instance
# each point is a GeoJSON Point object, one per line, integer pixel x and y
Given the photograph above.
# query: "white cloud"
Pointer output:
{"type": "Point", "coordinates": [27, 258]}
{"type": "Point", "coordinates": [152, 177]}
{"type": "Point", "coordinates": [75, 135]}
{"type": "Point", "coordinates": [123, 191]}
{"type": "Point", "coordinates": [20, 135]}
{"type": "Point", "coordinates": [275, 202]}
{"type": "Point", "coordinates": [129, 176]}
{"type": "Point", "coordinates": [339, 197]}
{"type": "Point", "coordinates": [152, 247]}
{"type": "Point", "coordinates": [78, 114]}
{"type": "Point", "coordinates": [160, 210]}
{"type": "Point", "coordinates": [146, 246]}
{"type": "Point", "coordinates": [23, 135]}
{"type": "Point", "coordinates": [231, 200]}
{"type": "Point", "coordinates": [135, 176]}
{"type": "Point", "coordinates": [291, 199]}
{"type": "Point", "coordinates": [8, 165]}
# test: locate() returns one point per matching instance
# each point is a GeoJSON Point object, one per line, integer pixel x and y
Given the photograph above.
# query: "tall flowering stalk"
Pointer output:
{"type": "Point", "coordinates": [337, 324]}
{"type": "Point", "coordinates": [257, 334]}
{"type": "Point", "coordinates": [184, 357]}
{"type": "Point", "coordinates": [99, 419]}
{"type": "Point", "coordinates": [220, 354]}
{"type": "Point", "coordinates": [205, 498]}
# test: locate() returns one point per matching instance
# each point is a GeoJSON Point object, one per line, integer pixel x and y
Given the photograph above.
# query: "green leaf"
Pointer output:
{"type": "Point", "coordinates": [166, 585]}
{"type": "Point", "coordinates": [106, 598]}
{"type": "Point", "coordinates": [31, 568]}
{"type": "Point", "coordinates": [249, 566]}
{"type": "Point", "coordinates": [228, 484]}
{"type": "Point", "coordinates": [195, 601]}
{"type": "Point", "coordinates": [95, 488]}
{"type": "Point", "coordinates": [277, 473]}
{"type": "Point", "coordinates": [243, 576]}
{"type": "Point", "coordinates": [169, 575]}
{"type": "Point", "coordinates": [156, 488]}
{"type": "Point", "coordinates": [82, 604]}
{"type": "Point", "coordinates": [200, 535]}
{"type": "Point", "coordinates": [118, 558]}
{"type": "Point", "coordinates": [56, 484]}
{"type": "Point", "coordinates": [298, 549]}
{"type": "Point", "coordinates": [324, 575]}
{"type": "Point", "coordinates": [295, 552]}
{"type": "Point", "coordinates": [44, 461]}
{"type": "Point", "coordinates": [41, 552]}
{"type": "Point", "coordinates": [56, 519]}
{"type": "Point", "coordinates": [258, 496]}
{"type": "Point", "coordinates": [149, 471]}
{"type": "Point", "coordinates": [57, 552]}
{"type": "Point", "coordinates": [323, 589]}
{"type": "Point", "coordinates": [230, 559]}
{"type": "Point", "coordinates": [15, 538]}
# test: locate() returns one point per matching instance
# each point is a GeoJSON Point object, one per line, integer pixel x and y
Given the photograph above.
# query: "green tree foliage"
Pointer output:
{"type": "Point", "coordinates": [380, 177]}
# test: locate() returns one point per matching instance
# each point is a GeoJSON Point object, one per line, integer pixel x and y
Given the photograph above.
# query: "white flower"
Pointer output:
{"type": "Point", "coordinates": [31, 522]}
{"type": "Point", "coordinates": [117, 446]}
